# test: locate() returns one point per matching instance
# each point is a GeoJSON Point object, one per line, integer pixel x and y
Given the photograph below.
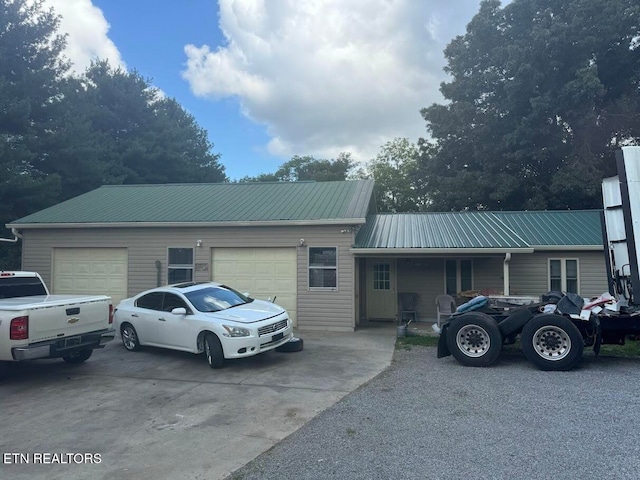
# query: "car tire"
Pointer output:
{"type": "Point", "coordinates": [552, 342]}
{"type": "Point", "coordinates": [130, 338]}
{"type": "Point", "coordinates": [79, 356]}
{"type": "Point", "coordinates": [474, 339]}
{"type": "Point", "coordinates": [294, 345]}
{"type": "Point", "coordinates": [4, 370]}
{"type": "Point", "coordinates": [213, 351]}
{"type": "Point", "coordinates": [514, 322]}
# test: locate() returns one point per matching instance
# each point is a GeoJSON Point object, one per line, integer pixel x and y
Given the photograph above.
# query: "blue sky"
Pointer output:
{"type": "Point", "coordinates": [269, 79]}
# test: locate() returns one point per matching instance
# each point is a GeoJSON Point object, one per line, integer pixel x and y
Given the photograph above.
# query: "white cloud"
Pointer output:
{"type": "Point", "coordinates": [327, 76]}
{"type": "Point", "coordinates": [87, 31]}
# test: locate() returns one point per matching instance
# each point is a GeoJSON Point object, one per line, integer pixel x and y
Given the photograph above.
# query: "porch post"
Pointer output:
{"type": "Point", "coordinates": [505, 273]}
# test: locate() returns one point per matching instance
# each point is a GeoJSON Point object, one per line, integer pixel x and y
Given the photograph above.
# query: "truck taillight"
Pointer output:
{"type": "Point", "coordinates": [110, 314]}
{"type": "Point", "coordinates": [19, 328]}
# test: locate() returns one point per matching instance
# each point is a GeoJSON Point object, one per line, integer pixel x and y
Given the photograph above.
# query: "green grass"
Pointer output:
{"type": "Point", "coordinates": [421, 340]}
{"type": "Point", "coordinates": [630, 349]}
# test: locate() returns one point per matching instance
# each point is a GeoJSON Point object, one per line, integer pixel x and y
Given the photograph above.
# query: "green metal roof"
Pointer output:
{"type": "Point", "coordinates": [316, 202]}
{"type": "Point", "coordinates": [508, 231]}
{"type": "Point", "coordinates": [572, 227]}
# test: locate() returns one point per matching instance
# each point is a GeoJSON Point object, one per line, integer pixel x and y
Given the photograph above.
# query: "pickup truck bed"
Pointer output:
{"type": "Point", "coordinates": [49, 326]}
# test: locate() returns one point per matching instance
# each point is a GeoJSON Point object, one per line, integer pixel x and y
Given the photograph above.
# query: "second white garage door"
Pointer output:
{"type": "Point", "coordinates": [90, 271]}
{"type": "Point", "coordinates": [263, 272]}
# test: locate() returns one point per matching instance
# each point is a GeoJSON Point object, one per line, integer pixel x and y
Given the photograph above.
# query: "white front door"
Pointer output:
{"type": "Point", "coordinates": [382, 303]}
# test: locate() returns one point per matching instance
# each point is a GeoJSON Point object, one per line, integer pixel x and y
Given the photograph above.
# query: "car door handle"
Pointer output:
{"type": "Point", "coordinates": [162, 319]}
{"type": "Point", "coordinates": [134, 315]}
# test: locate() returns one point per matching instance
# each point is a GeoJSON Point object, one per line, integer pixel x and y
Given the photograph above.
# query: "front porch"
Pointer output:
{"type": "Point", "coordinates": [380, 282]}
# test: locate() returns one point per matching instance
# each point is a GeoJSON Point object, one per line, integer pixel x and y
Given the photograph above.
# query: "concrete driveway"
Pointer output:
{"type": "Point", "coordinates": [167, 415]}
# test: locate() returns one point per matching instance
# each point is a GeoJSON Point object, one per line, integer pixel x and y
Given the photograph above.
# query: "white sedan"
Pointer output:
{"type": "Point", "coordinates": [202, 317]}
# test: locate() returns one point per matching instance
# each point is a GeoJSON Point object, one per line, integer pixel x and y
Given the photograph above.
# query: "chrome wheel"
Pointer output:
{"type": "Point", "coordinates": [473, 341]}
{"type": "Point", "coordinates": [207, 352]}
{"type": "Point", "coordinates": [551, 342]}
{"type": "Point", "coordinates": [130, 338]}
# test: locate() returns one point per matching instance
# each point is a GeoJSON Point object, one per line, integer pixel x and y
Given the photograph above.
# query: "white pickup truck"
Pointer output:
{"type": "Point", "coordinates": [34, 324]}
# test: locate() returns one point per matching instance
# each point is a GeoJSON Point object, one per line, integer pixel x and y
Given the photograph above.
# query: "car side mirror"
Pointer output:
{"type": "Point", "coordinates": [246, 294]}
{"type": "Point", "coordinates": [179, 311]}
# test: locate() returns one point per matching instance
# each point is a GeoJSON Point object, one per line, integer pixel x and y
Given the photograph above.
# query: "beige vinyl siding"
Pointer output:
{"type": "Point", "coordinates": [487, 275]}
{"type": "Point", "coordinates": [529, 273]}
{"type": "Point", "coordinates": [425, 276]}
{"type": "Point", "coordinates": [323, 310]}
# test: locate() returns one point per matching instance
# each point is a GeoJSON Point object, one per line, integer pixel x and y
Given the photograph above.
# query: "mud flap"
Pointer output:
{"type": "Point", "coordinates": [595, 321]}
{"type": "Point", "coordinates": [443, 350]}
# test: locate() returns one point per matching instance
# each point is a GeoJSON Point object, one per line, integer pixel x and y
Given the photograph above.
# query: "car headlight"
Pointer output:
{"type": "Point", "coordinates": [236, 331]}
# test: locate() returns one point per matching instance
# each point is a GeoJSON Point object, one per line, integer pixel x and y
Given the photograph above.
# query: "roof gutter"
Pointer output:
{"type": "Point", "coordinates": [433, 251]}
{"type": "Point", "coordinates": [16, 236]}
{"type": "Point", "coordinates": [573, 248]}
{"type": "Point", "coordinates": [259, 223]}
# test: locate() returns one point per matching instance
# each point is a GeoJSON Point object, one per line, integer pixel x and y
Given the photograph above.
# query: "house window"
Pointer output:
{"type": "Point", "coordinates": [323, 268]}
{"type": "Point", "coordinates": [381, 276]}
{"type": "Point", "coordinates": [563, 274]}
{"type": "Point", "coordinates": [180, 265]}
{"type": "Point", "coordinates": [458, 276]}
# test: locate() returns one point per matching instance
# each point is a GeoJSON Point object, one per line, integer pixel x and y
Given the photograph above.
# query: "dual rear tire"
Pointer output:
{"type": "Point", "coordinates": [552, 342]}
{"type": "Point", "coordinates": [549, 341]}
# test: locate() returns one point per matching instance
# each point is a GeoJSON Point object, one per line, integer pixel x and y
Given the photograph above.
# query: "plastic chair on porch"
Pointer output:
{"type": "Point", "coordinates": [408, 302]}
{"type": "Point", "coordinates": [445, 307]}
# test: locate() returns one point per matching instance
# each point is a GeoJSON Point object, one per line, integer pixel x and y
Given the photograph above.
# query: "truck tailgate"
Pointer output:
{"type": "Point", "coordinates": [64, 317]}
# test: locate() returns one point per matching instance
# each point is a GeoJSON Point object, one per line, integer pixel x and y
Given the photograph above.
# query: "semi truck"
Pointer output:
{"type": "Point", "coordinates": [554, 331]}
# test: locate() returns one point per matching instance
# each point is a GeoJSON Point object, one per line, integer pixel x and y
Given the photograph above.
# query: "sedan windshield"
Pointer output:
{"type": "Point", "coordinates": [214, 299]}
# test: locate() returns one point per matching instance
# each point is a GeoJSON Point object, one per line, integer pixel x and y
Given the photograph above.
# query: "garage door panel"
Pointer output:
{"type": "Point", "coordinates": [264, 269]}
{"type": "Point", "coordinates": [263, 272]}
{"type": "Point", "coordinates": [264, 285]}
{"type": "Point", "coordinates": [99, 268]}
{"type": "Point", "coordinates": [226, 268]}
{"type": "Point", "coordinates": [284, 285]}
{"type": "Point", "coordinates": [90, 271]}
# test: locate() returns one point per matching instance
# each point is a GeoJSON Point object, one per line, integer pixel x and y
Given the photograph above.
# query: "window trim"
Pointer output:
{"type": "Point", "coordinates": [181, 266]}
{"type": "Point", "coordinates": [563, 272]}
{"type": "Point", "coordinates": [309, 267]}
{"type": "Point", "coordinates": [458, 274]}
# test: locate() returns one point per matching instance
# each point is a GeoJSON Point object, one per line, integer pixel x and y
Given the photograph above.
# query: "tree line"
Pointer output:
{"type": "Point", "coordinates": [540, 94]}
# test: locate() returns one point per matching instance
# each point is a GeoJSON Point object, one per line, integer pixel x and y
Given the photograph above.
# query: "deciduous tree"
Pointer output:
{"type": "Point", "coordinates": [395, 173]}
{"type": "Point", "coordinates": [31, 67]}
{"type": "Point", "coordinates": [541, 94]}
{"type": "Point", "coordinates": [305, 168]}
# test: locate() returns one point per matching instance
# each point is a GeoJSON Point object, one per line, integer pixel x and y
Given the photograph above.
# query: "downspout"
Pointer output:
{"type": "Point", "coordinates": [505, 273]}
{"type": "Point", "coordinates": [16, 236]}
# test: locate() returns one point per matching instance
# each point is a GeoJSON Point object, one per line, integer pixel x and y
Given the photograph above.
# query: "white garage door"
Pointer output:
{"type": "Point", "coordinates": [263, 272]}
{"type": "Point", "coordinates": [87, 271]}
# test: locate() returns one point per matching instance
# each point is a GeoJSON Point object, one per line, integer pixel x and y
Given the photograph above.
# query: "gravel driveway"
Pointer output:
{"type": "Point", "coordinates": [425, 418]}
